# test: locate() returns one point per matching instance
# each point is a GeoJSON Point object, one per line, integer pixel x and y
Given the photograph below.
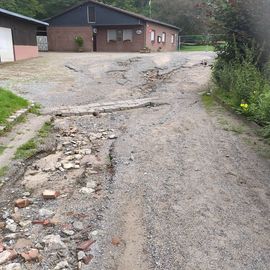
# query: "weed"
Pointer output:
{"type": "Point", "coordinates": [3, 171]}
{"type": "Point", "coordinates": [2, 149]}
{"type": "Point", "coordinates": [208, 101]}
{"type": "Point", "coordinates": [29, 149]}
{"type": "Point", "coordinates": [35, 109]}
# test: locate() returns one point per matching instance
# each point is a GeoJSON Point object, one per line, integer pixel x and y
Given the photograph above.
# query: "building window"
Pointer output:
{"type": "Point", "coordinates": [127, 35]}
{"type": "Point", "coordinates": [153, 36]}
{"type": "Point", "coordinates": [159, 39]}
{"type": "Point", "coordinates": [91, 14]}
{"type": "Point", "coordinates": [173, 39]}
{"type": "Point", "coordinates": [119, 35]}
{"type": "Point", "coordinates": [163, 37]}
{"type": "Point", "coordinates": [111, 35]}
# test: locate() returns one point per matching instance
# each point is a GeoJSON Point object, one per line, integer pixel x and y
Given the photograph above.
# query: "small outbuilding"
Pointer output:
{"type": "Point", "coordinates": [18, 36]}
{"type": "Point", "coordinates": [105, 28]}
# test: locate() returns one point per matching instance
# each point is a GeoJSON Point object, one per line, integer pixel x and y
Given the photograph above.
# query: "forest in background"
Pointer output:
{"type": "Point", "coordinates": [185, 14]}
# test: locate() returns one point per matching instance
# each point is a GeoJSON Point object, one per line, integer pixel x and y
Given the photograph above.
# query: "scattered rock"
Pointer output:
{"type": "Point", "coordinates": [112, 137]}
{"type": "Point", "coordinates": [68, 166]}
{"type": "Point", "coordinates": [116, 241]}
{"type": "Point", "coordinates": [85, 246]}
{"type": "Point", "coordinates": [50, 194]}
{"type": "Point", "coordinates": [23, 243]}
{"type": "Point", "coordinates": [54, 242]}
{"type": "Point", "coordinates": [62, 265]}
{"type": "Point", "coordinates": [80, 255]}
{"type": "Point", "coordinates": [68, 232]}
{"type": "Point", "coordinates": [11, 225]}
{"type": "Point", "coordinates": [22, 203]}
{"type": "Point", "coordinates": [7, 255]}
{"type": "Point", "coordinates": [31, 255]}
{"type": "Point", "coordinates": [12, 266]}
{"type": "Point", "coordinates": [86, 190]}
{"type": "Point", "coordinates": [88, 259]}
{"type": "Point", "coordinates": [1, 247]}
{"type": "Point", "coordinates": [25, 223]}
{"type": "Point", "coordinates": [78, 226]}
{"type": "Point", "coordinates": [45, 213]}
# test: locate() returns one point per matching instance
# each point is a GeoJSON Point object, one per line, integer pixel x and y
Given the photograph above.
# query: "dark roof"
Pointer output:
{"type": "Point", "coordinates": [22, 17]}
{"type": "Point", "coordinates": [119, 10]}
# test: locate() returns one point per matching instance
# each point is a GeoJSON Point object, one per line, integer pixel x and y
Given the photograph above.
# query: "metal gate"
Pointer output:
{"type": "Point", "coordinates": [42, 42]}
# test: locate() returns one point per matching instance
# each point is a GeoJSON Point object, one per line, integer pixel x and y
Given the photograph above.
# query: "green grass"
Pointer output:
{"type": "Point", "coordinates": [30, 148]}
{"type": "Point", "coordinates": [196, 48]}
{"type": "Point", "coordinates": [2, 149]}
{"type": "Point", "coordinates": [9, 104]}
{"type": "Point", "coordinates": [208, 101]}
{"type": "Point", "coordinates": [27, 150]}
{"type": "Point", "coordinates": [3, 171]}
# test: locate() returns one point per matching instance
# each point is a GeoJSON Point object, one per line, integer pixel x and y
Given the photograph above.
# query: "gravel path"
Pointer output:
{"type": "Point", "coordinates": [179, 186]}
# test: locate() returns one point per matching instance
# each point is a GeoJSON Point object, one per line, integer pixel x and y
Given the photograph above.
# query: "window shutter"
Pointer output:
{"type": "Point", "coordinates": [111, 35]}
{"type": "Point", "coordinates": [127, 35]}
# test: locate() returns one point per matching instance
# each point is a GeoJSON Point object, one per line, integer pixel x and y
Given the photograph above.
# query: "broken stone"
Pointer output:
{"type": "Point", "coordinates": [85, 246]}
{"type": "Point", "coordinates": [116, 241]}
{"type": "Point", "coordinates": [91, 184]}
{"type": "Point", "coordinates": [23, 243]}
{"type": "Point", "coordinates": [1, 247]}
{"type": "Point", "coordinates": [31, 255]}
{"type": "Point", "coordinates": [45, 213]}
{"type": "Point", "coordinates": [88, 259]}
{"type": "Point", "coordinates": [112, 137]}
{"type": "Point", "coordinates": [78, 226]}
{"type": "Point", "coordinates": [21, 203]}
{"type": "Point", "coordinates": [13, 266]}
{"type": "Point", "coordinates": [78, 157]}
{"type": "Point", "coordinates": [68, 232]}
{"type": "Point", "coordinates": [77, 166]}
{"type": "Point", "coordinates": [62, 265]}
{"type": "Point", "coordinates": [12, 227]}
{"type": "Point", "coordinates": [68, 166]}
{"type": "Point", "coordinates": [80, 255]}
{"type": "Point", "coordinates": [25, 223]}
{"type": "Point", "coordinates": [54, 242]}
{"type": "Point", "coordinates": [7, 255]}
{"type": "Point", "coordinates": [86, 190]}
{"type": "Point", "coordinates": [50, 194]}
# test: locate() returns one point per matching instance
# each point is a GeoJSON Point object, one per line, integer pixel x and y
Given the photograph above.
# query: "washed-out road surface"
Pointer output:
{"type": "Point", "coordinates": [171, 185]}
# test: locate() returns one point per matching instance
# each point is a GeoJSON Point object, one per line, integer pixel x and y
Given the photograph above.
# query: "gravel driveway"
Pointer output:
{"type": "Point", "coordinates": [169, 187]}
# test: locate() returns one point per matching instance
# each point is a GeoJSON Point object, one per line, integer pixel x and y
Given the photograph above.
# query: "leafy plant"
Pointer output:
{"type": "Point", "coordinates": [79, 41]}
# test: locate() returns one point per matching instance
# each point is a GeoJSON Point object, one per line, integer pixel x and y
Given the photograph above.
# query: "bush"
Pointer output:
{"type": "Point", "coordinates": [79, 41]}
{"type": "Point", "coordinates": [243, 86]}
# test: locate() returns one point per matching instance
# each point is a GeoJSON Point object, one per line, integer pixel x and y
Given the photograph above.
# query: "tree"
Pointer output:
{"type": "Point", "coordinates": [26, 7]}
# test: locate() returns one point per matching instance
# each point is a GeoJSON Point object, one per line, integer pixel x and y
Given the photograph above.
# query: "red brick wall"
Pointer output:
{"type": "Point", "coordinates": [24, 52]}
{"type": "Point", "coordinates": [120, 46]}
{"type": "Point", "coordinates": [62, 38]}
{"type": "Point", "coordinates": [159, 29]}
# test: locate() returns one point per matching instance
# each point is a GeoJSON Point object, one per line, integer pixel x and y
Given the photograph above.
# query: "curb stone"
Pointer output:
{"type": "Point", "coordinates": [14, 117]}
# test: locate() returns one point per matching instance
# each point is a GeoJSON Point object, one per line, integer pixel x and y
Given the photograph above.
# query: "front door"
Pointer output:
{"type": "Point", "coordinates": [94, 42]}
{"type": "Point", "coordinates": [6, 45]}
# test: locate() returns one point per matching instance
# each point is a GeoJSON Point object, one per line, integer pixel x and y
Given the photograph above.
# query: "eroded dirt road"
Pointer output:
{"type": "Point", "coordinates": [166, 187]}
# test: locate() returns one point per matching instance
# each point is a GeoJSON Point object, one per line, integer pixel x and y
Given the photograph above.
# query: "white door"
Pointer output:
{"type": "Point", "coordinates": [6, 45]}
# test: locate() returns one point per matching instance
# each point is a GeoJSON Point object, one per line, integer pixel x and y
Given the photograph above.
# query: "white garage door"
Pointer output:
{"type": "Point", "coordinates": [6, 45]}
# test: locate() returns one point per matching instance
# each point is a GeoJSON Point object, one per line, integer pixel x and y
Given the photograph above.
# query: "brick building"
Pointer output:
{"type": "Point", "coordinates": [18, 36]}
{"type": "Point", "coordinates": [109, 29]}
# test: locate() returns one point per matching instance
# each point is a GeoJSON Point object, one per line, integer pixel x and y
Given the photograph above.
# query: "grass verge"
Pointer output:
{"type": "Point", "coordinates": [3, 171]}
{"type": "Point", "coordinates": [2, 149]}
{"type": "Point", "coordinates": [30, 148]}
{"type": "Point", "coordinates": [197, 48]}
{"type": "Point", "coordinates": [9, 104]}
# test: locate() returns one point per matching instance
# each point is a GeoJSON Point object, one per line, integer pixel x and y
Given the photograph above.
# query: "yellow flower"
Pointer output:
{"type": "Point", "coordinates": [244, 106]}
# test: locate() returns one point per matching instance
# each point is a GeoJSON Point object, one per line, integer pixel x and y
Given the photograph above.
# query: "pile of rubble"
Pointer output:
{"type": "Point", "coordinates": [43, 228]}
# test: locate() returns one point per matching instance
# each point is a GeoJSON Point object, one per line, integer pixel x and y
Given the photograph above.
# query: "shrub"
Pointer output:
{"type": "Point", "coordinates": [79, 41]}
